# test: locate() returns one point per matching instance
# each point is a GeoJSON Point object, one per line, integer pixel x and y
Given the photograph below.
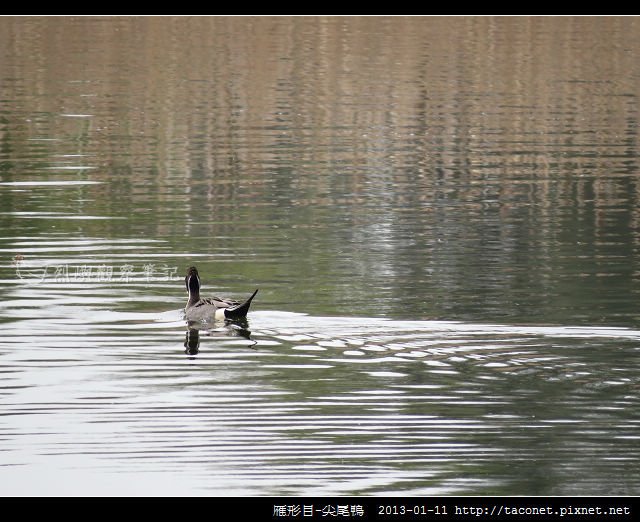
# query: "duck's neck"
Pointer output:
{"type": "Point", "coordinates": [193, 285]}
{"type": "Point", "coordinates": [193, 299]}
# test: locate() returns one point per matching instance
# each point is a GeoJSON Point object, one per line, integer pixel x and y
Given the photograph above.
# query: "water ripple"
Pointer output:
{"type": "Point", "coordinates": [412, 398]}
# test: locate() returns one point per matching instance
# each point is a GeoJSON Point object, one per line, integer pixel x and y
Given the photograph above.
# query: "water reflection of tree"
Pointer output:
{"type": "Point", "coordinates": [482, 176]}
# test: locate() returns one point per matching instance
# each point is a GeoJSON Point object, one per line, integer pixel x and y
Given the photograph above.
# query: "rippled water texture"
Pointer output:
{"type": "Point", "coordinates": [441, 215]}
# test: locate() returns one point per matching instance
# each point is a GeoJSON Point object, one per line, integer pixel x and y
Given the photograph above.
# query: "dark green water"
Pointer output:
{"type": "Point", "coordinates": [441, 215]}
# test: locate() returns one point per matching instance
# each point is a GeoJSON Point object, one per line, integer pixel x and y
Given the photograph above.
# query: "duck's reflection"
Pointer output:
{"type": "Point", "coordinates": [236, 328]}
{"type": "Point", "coordinates": [192, 342]}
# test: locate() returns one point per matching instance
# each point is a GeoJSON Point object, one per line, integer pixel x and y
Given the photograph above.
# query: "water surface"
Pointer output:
{"type": "Point", "coordinates": [441, 215]}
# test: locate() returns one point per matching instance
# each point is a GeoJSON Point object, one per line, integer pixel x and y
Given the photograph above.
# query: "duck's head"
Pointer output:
{"type": "Point", "coordinates": [192, 281]}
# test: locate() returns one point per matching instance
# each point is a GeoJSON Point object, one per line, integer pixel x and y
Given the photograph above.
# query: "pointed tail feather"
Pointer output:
{"type": "Point", "coordinates": [238, 311]}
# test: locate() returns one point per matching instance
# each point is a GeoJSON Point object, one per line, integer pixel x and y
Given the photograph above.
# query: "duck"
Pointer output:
{"type": "Point", "coordinates": [211, 308]}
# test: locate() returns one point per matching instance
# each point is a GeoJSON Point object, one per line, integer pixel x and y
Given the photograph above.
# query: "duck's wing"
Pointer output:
{"type": "Point", "coordinates": [218, 302]}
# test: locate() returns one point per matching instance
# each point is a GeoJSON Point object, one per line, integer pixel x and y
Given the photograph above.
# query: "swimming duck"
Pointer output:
{"type": "Point", "coordinates": [211, 308]}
